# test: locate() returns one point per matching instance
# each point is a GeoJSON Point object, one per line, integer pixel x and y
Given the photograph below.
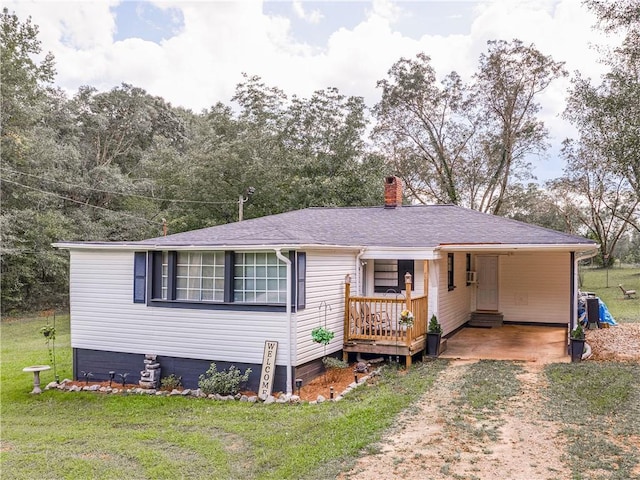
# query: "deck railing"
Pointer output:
{"type": "Point", "coordinates": [378, 319]}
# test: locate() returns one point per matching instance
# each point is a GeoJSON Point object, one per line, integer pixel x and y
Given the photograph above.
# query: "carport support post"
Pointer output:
{"type": "Point", "coordinates": [347, 293]}
{"type": "Point", "coordinates": [407, 287]}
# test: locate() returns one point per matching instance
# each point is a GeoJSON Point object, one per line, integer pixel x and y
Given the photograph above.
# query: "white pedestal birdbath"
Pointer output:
{"type": "Point", "coordinates": [36, 369]}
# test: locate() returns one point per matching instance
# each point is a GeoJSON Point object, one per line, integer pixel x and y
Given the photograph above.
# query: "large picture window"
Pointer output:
{"type": "Point", "coordinates": [259, 278]}
{"type": "Point", "coordinates": [200, 276]}
{"type": "Point", "coordinates": [222, 278]}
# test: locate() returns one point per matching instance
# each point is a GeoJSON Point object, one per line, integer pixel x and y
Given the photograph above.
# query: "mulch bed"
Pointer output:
{"type": "Point", "coordinates": [620, 343]}
{"type": "Point", "coordinates": [339, 380]}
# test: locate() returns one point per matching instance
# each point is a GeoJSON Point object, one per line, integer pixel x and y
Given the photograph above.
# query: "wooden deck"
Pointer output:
{"type": "Point", "coordinates": [372, 325]}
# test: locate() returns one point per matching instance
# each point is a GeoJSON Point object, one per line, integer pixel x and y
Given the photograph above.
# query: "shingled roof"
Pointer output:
{"type": "Point", "coordinates": [427, 226]}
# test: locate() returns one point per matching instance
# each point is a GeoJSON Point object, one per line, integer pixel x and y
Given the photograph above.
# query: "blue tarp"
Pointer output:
{"type": "Point", "coordinates": [605, 316]}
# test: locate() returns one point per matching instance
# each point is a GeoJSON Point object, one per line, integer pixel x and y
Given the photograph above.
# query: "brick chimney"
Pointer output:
{"type": "Point", "coordinates": [392, 192]}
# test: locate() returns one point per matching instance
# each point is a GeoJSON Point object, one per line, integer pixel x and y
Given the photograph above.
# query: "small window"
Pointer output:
{"type": "Point", "coordinates": [388, 275]}
{"type": "Point", "coordinates": [302, 279]}
{"type": "Point", "coordinates": [450, 270]}
{"type": "Point", "coordinates": [139, 277]}
{"type": "Point", "coordinates": [385, 275]}
{"type": "Point", "coordinates": [470, 280]}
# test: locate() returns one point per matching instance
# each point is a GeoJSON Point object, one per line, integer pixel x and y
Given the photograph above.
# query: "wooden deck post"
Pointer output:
{"type": "Point", "coordinates": [347, 294]}
{"type": "Point", "coordinates": [407, 286]}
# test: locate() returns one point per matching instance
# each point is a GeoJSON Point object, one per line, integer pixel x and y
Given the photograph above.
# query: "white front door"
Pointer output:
{"type": "Point", "coordinates": [487, 288]}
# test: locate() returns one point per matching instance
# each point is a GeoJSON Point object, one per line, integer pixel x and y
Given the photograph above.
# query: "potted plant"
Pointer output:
{"type": "Point", "coordinates": [434, 334]}
{"type": "Point", "coordinates": [322, 335]}
{"type": "Point", "coordinates": [576, 343]}
{"type": "Point", "coordinates": [406, 318]}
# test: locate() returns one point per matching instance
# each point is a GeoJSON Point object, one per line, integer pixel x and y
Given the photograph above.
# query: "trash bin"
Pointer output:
{"type": "Point", "coordinates": [593, 313]}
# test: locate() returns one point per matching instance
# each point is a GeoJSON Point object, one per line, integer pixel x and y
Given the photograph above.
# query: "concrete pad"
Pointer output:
{"type": "Point", "coordinates": [510, 342]}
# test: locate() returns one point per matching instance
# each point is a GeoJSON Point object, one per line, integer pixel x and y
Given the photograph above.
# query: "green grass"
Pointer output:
{"type": "Point", "coordinates": [484, 389]}
{"type": "Point", "coordinates": [597, 279]}
{"type": "Point", "coordinates": [65, 435]}
{"type": "Point", "coordinates": [489, 383]}
{"type": "Point", "coordinates": [598, 405]}
{"type": "Point", "coordinates": [87, 435]}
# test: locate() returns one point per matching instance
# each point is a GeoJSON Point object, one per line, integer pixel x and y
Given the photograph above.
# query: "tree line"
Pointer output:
{"type": "Point", "coordinates": [124, 164]}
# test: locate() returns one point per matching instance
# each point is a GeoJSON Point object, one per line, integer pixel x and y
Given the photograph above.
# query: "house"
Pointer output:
{"type": "Point", "coordinates": [219, 293]}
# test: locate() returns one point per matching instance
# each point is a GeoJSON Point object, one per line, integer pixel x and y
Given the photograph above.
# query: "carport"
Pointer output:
{"type": "Point", "coordinates": [529, 343]}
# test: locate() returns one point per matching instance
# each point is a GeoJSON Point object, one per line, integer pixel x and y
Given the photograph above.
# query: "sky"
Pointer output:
{"type": "Point", "coordinates": [193, 53]}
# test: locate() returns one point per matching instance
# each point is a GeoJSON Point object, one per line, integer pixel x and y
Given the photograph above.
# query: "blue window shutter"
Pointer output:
{"type": "Point", "coordinates": [139, 277]}
{"type": "Point", "coordinates": [450, 270]}
{"type": "Point", "coordinates": [301, 279]}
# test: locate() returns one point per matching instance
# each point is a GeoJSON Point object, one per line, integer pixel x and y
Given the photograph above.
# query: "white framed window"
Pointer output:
{"type": "Point", "coordinates": [199, 276]}
{"type": "Point", "coordinates": [388, 275]}
{"type": "Point", "coordinates": [259, 277]}
{"type": "Point", "coordinates": [165, 275]}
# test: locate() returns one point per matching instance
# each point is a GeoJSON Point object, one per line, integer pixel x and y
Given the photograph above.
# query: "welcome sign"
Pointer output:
{"type": "Point", "coordinates": [268, 369]}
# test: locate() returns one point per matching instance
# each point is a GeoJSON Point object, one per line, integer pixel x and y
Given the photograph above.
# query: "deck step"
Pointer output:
{"type": "Point", "coordinates": [486, 319]}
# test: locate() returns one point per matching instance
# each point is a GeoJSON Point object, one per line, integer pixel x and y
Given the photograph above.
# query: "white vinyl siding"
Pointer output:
{"type": "Point", "coordinates": [453, 305]}
{"type": "Point", "coordinates": [535, 287]}
{"type": "Point", "coordinates": [326, 272]}
{"type": "Point", "coordinates": [104, 317]}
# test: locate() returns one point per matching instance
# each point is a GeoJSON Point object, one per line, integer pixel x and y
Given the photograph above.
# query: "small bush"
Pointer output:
{"type": "Point", "coordinates": [171, 382]}
{"type": "Point", "coordinates": [226, 382]}
{"type": "Point", "coordinates": [434, 325]}
{"type": "Point", "coordinates": [332, 366]}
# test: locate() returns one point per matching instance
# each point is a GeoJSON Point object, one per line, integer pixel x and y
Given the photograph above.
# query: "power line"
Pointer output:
{"type": "Point", "coordinates": [81, 203]}
{"type": "Point", "coordinates": [202, 202]}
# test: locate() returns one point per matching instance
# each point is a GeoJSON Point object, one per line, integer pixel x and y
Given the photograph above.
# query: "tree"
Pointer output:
{"type": "Point", "coordinates": [535, 205]}
{"type": "Point", "coordinates": [423, 129]}
{"type": "Point", "coordinates": [26, 223]}
{"type": "Point", "coordinates": [465, 144]}
{"type": "Point", "coordinates": [592, 200]}
{"type": "Point", "coordinates": [608, 115]}
{"type": "Point", "coordinates": [23, 80]}
{"type": "Point", "coordinates": [510, 77]}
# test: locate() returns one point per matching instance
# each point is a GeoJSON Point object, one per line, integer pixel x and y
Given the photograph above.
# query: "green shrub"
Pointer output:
{"type": "Point", "coordinates": [171, 382]}
{"type": "Point", "coordinates": [333, 362]}
{"type": "Point", "coordinates": [434, 325]}
{"type": "Point", "coordinates": [333, 366]}
{"type": "Point", "coordinates": [226, 382]}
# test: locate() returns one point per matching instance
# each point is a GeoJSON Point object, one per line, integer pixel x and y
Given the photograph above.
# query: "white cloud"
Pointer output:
{"type": "Point", "coordinates": [314, 17]}
{"type": "Point", "coordinates": [203, 62]}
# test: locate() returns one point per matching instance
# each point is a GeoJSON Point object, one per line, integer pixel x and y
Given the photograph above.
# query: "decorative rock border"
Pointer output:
{"type": "Point", "coordinates": [65, 385]}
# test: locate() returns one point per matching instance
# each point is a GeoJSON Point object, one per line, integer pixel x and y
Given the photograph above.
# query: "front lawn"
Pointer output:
{"type": "Point", "coordinates": [604, 283]}
{"type": "Point", "coordinates": [89, 435]}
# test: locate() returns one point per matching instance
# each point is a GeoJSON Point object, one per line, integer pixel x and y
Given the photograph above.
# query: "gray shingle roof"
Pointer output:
{"type": "Point", "coordinates": [408, 226]}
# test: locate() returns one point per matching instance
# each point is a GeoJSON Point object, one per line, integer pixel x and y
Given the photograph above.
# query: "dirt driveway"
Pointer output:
{"type": "Point", "coordinates": [437, 440]}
